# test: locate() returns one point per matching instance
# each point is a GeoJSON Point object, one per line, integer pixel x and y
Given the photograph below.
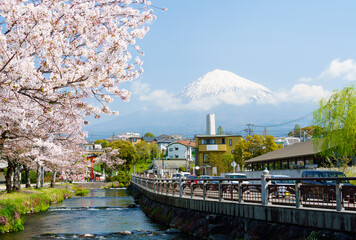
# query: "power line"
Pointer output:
{"type": "Point", "coordinates": [280, 124]}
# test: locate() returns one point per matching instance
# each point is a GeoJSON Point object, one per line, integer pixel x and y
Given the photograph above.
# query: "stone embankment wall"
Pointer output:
{"type": "Point", "coordinates": [92, 185]}
{"type": "Point", "coordinates": [212, 225]}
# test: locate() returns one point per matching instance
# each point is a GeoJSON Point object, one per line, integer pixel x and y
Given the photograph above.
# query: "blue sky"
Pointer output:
{"type": "Point", "coordinates": [279, 44]}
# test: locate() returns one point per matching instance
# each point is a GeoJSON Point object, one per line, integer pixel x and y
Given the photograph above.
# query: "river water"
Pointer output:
{"type": "Point", "coordinates": [102, 214]}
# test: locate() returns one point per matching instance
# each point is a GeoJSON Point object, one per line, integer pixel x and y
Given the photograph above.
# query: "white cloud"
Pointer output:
{"type": "Point", "coordinates": [304, 79]}
{"type": "Point", "coordinates": [139, 88]}
{"type": "Point", "coordinates": [302, 92]}
{"type": "Point", "coordinates": [167, 101]}
{"type": "Point", "coordinates": [345, 70]}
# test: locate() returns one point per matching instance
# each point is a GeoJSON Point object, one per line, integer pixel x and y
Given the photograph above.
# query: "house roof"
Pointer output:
{"type": "Point", "coordinates": [296, 150]}
{"type": "Point", "coordinates": [217, 135]}
{"type": "Point", "coordinates": [184, 142]}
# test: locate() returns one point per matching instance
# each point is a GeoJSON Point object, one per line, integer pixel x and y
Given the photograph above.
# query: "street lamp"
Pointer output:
{"type": "Point", "coordinates": [197, 169]}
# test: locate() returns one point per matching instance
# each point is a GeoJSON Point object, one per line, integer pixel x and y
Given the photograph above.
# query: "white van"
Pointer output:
{"type": "Point", "coordinates": [237, 176]}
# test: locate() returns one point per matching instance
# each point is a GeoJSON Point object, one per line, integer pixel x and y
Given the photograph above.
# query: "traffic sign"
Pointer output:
{"type": "Point", "coordinates": [233, 164]}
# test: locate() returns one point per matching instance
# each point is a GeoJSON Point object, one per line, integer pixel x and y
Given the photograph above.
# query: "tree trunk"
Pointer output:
{"type": "Point", "coordinates": [27, 176]}
{"type": "Point", "coordinates": [9, 176]}
{"type": "Point", "coordinates": [17, 177]}
{"type": "Point", "coordinates": [53, 178]}
{"type": "Point", "coordinates": [38, 175]}
{"type": "Point", "coordinates": [42, 176]}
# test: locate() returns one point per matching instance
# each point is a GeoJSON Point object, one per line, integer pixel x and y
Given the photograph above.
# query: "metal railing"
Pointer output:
{"type": "Point", "coordinates": [302, 192]}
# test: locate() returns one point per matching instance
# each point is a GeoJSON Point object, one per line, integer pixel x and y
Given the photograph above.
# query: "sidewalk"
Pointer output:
{"type": "Point", "coordinates": [3, 186]}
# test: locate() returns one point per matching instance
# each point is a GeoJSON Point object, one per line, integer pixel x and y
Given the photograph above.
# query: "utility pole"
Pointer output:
{"type": "Point", "coordinates": [249, 130]}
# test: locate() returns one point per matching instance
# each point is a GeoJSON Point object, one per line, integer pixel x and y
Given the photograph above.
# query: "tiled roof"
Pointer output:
{"type": "Point", "coordinates": [295, 150]}
{"type": "Point", "coordinates": [185, 143]}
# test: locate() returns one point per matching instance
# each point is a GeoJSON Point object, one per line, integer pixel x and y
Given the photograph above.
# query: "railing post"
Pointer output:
{"type": "Point", "coordinates": [146, 183]}
{"type": "Point", "coordinates": [204, 190]}
{"type": "Point", "coordinates": [155, 185]}
{"type": "Point", "coordinates": [220, 191]}
{"type": "Point", "coordinates": [180, 187]}
{"type": "Point", "coordinates": [264, 187]}
{"type": "Point", "coordinates": [167, 186]}
{"type": "Point", "coordinates": [240, 191]}
{"type": "Point", "coordinates": [232, 191]}
{"type": "Point", "coordinates": [162, 186]}
{"type": "Point", "coordinates": [173, 181]}
{"type": "Point", "coordinates": [339, 206]}
{"type": "Point", "coordinates": [191, 189]}
{"type": "Point", "coordinates": [297, 194]}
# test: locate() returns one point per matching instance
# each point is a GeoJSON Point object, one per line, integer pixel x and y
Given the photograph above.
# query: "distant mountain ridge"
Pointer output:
{"type": "Point", "coordinates": [226, 86]}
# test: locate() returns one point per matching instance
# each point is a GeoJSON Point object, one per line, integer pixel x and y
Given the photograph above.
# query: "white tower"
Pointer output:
{"type": "Point", "coordinates": [210, 124]}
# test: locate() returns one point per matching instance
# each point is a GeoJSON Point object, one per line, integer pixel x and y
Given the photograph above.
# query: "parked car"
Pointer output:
{"type": "Point", "coordinates": [185, 174]}
{"type": "Point", "coordinates": [327, 194]}
{"type": "Point", "coordinates": [204, 177]}
{"type": "Point", "coordinates": [215, 180]}
{"type": "Point", "coordinates": [282, 185]}
{"type": "Point", "coordinates": [323, 174]}
{"type": "Point", "coordinates": [237, 176]}
{"type": "Point", "coordinates": [176, 175]}
{"type": "Point", "coordinates": [192, 178]}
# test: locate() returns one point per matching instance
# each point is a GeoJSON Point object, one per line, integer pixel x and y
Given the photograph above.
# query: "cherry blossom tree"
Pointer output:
{"type": "Point", "coordinates": [54, 56]}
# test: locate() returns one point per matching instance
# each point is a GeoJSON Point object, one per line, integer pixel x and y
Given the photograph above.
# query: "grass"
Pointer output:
{"type": "Point", "coordinates": [13, 205]}
{"type": "Point", "coordinates": [79, 191]}
{"type": "Point", "coordinates": [140, 166]}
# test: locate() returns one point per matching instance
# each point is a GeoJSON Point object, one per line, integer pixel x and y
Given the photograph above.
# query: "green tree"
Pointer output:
{"type": "Point", "coordinates": [336, 117]}
{"type": "Point", "coordinates": [143, 150]}
{"type": "Point", "coordinates": [153, 150]}
{"type": "Point", "coordinates": [215, 160]}
{"type": "Point", "coordinates": [220, 130]}
{"type": "Point", "coordinates": [103, 142]}
{"type": "Point", "coordinates": [296, 131]}
{"type": "Point", "coordinates": [127, 152]}
{"type": "Point", "coordinates": [148, 134]}
{"type": "Point", "coordinates": [227, 159]}
{"type": "Point", "coordinates": [253, 146]}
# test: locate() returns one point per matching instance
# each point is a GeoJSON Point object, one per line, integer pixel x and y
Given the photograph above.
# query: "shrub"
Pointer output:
{"type": "Point", "coordinates": [79, 191]}
{"type": "Point", "coordinates": [28, 201]}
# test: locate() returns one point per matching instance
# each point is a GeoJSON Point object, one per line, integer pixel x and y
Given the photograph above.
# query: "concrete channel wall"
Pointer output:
{"type": "Point", "coordinates": [344, 221]}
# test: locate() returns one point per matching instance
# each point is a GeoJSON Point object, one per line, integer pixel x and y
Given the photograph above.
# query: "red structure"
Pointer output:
{"type": "Point", "coordinates": [91, 159]}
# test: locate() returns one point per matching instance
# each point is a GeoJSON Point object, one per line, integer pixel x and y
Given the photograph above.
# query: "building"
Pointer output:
{"type": "Point", "coordinates": [296, 156]}
{"type": "Point", "coordinates": [134, 140]}
{"type": "Point", "coordinates": [208, 144]}
{"type": "Point", "coordinates": [180, 150]}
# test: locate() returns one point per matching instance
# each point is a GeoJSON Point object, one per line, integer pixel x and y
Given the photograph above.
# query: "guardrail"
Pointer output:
{"type": "Point", "coordinates": [299, 192]}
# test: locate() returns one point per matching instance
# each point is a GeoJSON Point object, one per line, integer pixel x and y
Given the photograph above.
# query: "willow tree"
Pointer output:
{"type": "Point", "coordinates": [337, 118]}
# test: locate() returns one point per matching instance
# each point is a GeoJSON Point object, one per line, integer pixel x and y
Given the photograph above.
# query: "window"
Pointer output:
{"type": "Point", "coordinates": [284, 164]}
{"type": "Point", "coordinates": [170, 149]}
{"type": "Point", "coordinates": [205, 157]}
{"type": "Point", "coordinates": [176, 148]}
{"type": "Point", "coordinates": [208, 141]}
{"type": "Point", "coordinates": [232, 151]}
{"type": "Point", "coordinates": [230, 142]}
{"type": "Point", "coordinates": [134, 139]}
{"type": "Point", "coordinates": [176, 156]}
{"type": "Point", "coordinates": [223, 141]}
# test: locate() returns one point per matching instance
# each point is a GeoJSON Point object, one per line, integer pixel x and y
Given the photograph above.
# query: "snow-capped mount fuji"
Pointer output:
{"type": "Point", "coordinates": [227, 87]}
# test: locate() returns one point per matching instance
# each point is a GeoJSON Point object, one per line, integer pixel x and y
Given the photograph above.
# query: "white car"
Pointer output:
{"type": "Point", "coordinates": [237, 176]}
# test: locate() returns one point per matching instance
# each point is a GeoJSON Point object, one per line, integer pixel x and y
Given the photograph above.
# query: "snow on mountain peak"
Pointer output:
{"type": "Point", "coordinates": [227, 87]}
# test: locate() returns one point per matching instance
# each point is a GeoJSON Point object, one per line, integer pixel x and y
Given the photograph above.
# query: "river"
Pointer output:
{"type": "Point", "coordinates": [102, 214]}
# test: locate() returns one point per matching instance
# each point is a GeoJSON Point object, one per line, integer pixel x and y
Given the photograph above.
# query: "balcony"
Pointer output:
{"type": "Point", "coordinates": [212, 148]}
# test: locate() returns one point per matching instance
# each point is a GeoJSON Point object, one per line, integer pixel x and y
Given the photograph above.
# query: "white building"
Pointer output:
{"type": "Point", "coordinates": [180, 150]}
